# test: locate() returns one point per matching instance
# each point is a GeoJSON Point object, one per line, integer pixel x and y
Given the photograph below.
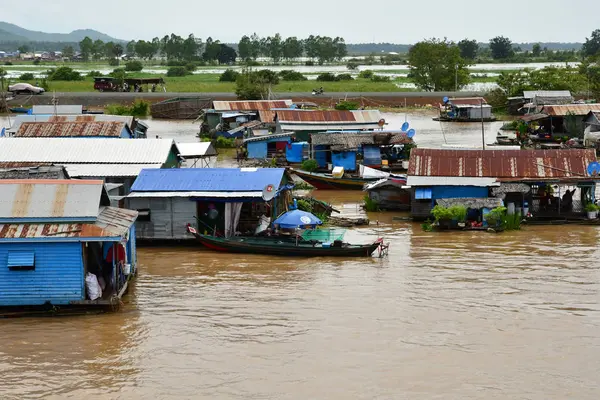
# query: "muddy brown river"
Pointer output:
{"type": "Point", "coordinates": [463, 315]}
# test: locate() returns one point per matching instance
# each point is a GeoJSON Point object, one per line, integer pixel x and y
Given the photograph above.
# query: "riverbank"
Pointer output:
{"type": "Point", "coordinates": [366, 99]}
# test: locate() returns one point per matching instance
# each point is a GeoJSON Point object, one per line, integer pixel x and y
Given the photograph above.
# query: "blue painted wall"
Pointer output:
{"type": "Point", "coordinates": [453, 192]}
{"type": "Point", "coordinates": [346, 159]}
{"type": "Point", "coordinates": [321, 155]}
{"type": "Point", "coordinates": [259, 149]}
{"type": "Point", "coordinates": [57, 278]}
{"type": "Point", "coordinates": [295, 152]}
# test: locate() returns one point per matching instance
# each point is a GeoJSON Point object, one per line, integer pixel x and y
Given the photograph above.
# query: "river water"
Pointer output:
{"type": "Point", "coordinates": [445, 316]}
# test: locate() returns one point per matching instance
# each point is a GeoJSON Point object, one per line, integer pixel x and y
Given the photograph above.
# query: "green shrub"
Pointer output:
{"type": "Point", "coordinates": [366, 74]}
{"type": "Point", "coordinates": [370, 204]}
{"type": "Point", "coordinates": [327, 77]}
{"type": "Point", "coordinates": [177, 71]}
{"type": "Point", "coordinates": [441, 213]}
{"type": "Point", "coordinates": [8, 63]}
{"type": "Point", "coordinates": [135, 66]}
{"type": "Point", "coordinates": [225, 143]}
{"type": "Point", "coordinates": [344, 77]}
{"type": "Point", "coordinates": [64, 74]}
{"type": "Point", "coordinates": [289, 75]}
{"type": "Point", "coordinates": [304, 205]}
{"type": "Point", "coordinates": [268, 76]}
{"type": "Point", "coordinates": [496, 216]}
{"type": "Point", "coordinates": [427, 226]}
{"type": "Point", "coordinates": [309, 165]}
{"type": "Point", "coordinates": [459, 213]}
{"type": "Point", "coordinates": [309, 63]}
{"type": "Point", "coordinates": [591, 207]}
{"type": "Point", "coordinates": [176, 63]}
{"type": "Point", "coordinates": [37, 61]}
{"type": "Point", "coordinates": [380, 78]}
{"type": "Point", "coordinates": [190, 67]}
{"type": "Point", "coordinates": [346, 105]}
{"type": "Point", "coordinates": [94, 74]}
{"type": "Point", "coordinates": [229, 75]}
{"type": "Point", "coordinates": [113, 62]}
{"type": "Point", "coordinates": [27, 76]}
{"type": "Point", "coordinates": [352, 65]}
{"type": "Point", "coordinates": [139, 108]}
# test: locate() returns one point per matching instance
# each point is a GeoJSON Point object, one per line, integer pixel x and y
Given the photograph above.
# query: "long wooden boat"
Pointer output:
{"type": "Point", "coordinates": [462, 119]}
{"type": "Point", "coordinates": [284, 247]}
{"type": "Point", "coordinates": [328, 182]}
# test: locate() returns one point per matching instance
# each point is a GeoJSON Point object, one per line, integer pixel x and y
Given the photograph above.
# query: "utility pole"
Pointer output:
{"type": "Point", "coordinates": [482, 126]}
{"type": "Point", "coordinates": [456, 78]}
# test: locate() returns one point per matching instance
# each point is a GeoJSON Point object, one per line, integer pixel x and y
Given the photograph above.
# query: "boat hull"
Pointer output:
{"type": "Point", "coordinates": [284, 248]}
{"type": "Point", "coordinates": [325, 182]}
{"type": "Point", "coordinates": [443, 119]}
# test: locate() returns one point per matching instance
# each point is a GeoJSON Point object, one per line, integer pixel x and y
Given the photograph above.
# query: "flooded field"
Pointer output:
{"type": "Point", "coordinates": [465, 315]}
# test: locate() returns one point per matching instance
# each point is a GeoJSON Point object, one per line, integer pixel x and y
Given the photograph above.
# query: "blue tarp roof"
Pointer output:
{"type": "Point", "coordinates": [207, 179]}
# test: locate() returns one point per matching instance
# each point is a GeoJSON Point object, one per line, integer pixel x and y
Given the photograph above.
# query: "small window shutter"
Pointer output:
{"type": "Point", "coordinates": [423, 194]}
{"type": "Point", "coordinates": [21, 260]}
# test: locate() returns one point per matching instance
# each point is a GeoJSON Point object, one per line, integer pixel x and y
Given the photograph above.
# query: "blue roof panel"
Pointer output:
{"type": "Point", "coordinates": [207, 179]}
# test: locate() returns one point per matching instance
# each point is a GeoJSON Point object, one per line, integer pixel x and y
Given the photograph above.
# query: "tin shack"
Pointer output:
{"type": "Point", "coordinates": [56, 235]}
{"type": "Point", "coordinates": [222, 201]}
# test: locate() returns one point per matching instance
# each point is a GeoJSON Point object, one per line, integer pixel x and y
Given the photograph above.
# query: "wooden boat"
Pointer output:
{"type": "Point", "coordinates": [19, 110]}
{"type": "Point", "coordinates": [180, 108]}
{"type": "Point", "coordinates": [284, 246]}
{"type": "Point", "coordinates": [328, 182]}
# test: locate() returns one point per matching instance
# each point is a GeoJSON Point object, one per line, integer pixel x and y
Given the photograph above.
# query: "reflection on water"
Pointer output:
{"type": "Point", "coordinates": [461, 315]}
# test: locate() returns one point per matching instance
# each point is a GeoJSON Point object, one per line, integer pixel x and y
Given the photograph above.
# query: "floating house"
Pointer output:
{"type": "Point", "coordinates": [74, 130]}
{"type": "Point", "coordinates": [533, 99]}
{"type": "Point", "coordinates": [270, 145]}
{"type": "Point", "coordinates": [221, 201]}
{"type": "Point", "coordinates": [57, 234]}
{"type": "Point", "coordinates": [345, 149]}
{"type": "Point", "coordinates": [390, 194]}
{"type": "Point", "coordinates": [196, 154]}
{"type": "Point", "coordinates": [136, 128]}
{"type": "Point", "coordinates": [466, 109]}
{"type": "Point", "coordinates": [305, 122]}
{"type": "Point", "coordinates": [591, 136]}
{"type": "Point", "coordinates": [550, 184]}
{"type": "Point", "coordinates": [231, 118]}
{"type": "Point", "coordinates": [115, 161]}
{"type": "Point", "coordinates": [561, 120]}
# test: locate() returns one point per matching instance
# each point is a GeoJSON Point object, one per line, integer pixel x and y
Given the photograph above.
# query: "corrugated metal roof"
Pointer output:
{"type": "Point", "coordinates": [268, 137]}
{"type": "Point", "coordinates": [22, 118]}
{"type": "Point", "coordinates": [347, 140]}
{"type": "Point", "coordinates": [450, 181]}
{"type": "Point", "coordinates": [502, 164]}
{"type": "Point", "coordinates": [327, 117]}
{"type": "Point", "coordinates": [207, 179]}
{"type": "Point", "coordinates": [83, 151]}
{"type": "Point", "coordinates": [312, 127]}
{"type": "Point", "coordinates": [49, 198]}
{"type": "Point", "coordinates": [111, 222]}
{"type": "Point", "coordinates": [250, 105]}
{"type": "Point", "coordinates": [196, 150]}
{"type": "Point", "coordinates": [530, 94]}
{"type": "Point", "coordinates": [37, 172]}
{"type": "Point", "coordinates": [567, 109]}
{"type": "Point", "coordinates": [107, 170]}
{"type": "Point", "coordinates": [223, 195]}
{"type": "Point", "coordinates": [470, 101]}
{"type": "Point", "coordinates": [71, 129]}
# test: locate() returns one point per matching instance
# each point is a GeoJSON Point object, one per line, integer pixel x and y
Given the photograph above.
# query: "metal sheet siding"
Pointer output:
{"type": "Point", "coordinates": [453, 192]}
{"type": "Point", "coordinates": [183, 212]}
{"type": "Point", "coordinates": [250, 105]}
{"type": "Point", "coordinates": [257, 150]}
{"type": "Point", "coordinates": [107, 170]}
{"type": "Point", "coordinates": [78, 151]}
{"type": "Point", "coordinates": [57, 278]}
{"type": "Point", "coordinates": [567, 109]}
{"type": "Point", "coordinates": [346, 159]}
{"type": "Point", "coordinates": [207, 179]}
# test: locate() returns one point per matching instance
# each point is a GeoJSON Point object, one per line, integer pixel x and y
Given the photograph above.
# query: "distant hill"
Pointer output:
{"type": "Point", "coordinates": [13, 33]}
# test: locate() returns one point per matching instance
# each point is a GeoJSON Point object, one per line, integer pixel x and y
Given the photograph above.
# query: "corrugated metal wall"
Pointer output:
{"type": "Point", "coordinates": [257, 149]}
{"type": "Point", "coordinates": [57, 278]}
{"type": "Point", "coordinates": [346, 159]}
{"type": "Point", "coordinates": [168, 217]}
{"type": "Point", "coordinates": [453, 192]}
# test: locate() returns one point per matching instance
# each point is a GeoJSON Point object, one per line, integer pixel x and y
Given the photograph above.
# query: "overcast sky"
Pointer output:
{"type": "Point", "coordinates": [395, 21]}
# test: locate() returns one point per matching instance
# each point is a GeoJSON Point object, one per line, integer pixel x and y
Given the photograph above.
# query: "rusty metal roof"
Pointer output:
{"type": "Point", "coordinates": [568, 109]}
{"type": "Point", "coordinates": [111, 222]}
{"type": "Point", "coordinates": [71, 129]}
{"type": "Point", "coordinates": [324, 117]}
{"type": "Point", "coordinates": [22, 118]}
{"type": "Point", "coordinates": [49, 199]}
{"type": "Point", "coordinates": [250, 105]}
{"type": "Point", "coordinates": [467, 101]}
{"type": "Point", "coordinates": [502, 164]}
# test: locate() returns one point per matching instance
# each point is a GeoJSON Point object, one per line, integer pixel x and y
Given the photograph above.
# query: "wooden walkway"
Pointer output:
{"type": "Point", "coordinates": [349, 215]}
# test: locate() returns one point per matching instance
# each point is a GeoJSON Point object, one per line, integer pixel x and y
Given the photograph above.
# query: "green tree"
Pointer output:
{"type": "Point", "coordinates": [245, 48]}
{"type": "Point", "coordinates": [275, 47]}
{"type": "Point", "coordinates": [68, 52]}
{"type": "Point", "coordinates": [212, 49]}
{"type": "Point", "coordinates": [190, 47]}
{"type": "Point", "coordinates": [98, 49]}
{"type": "Point", "coordinates": [501, 48]}
{"type": "Point", "coordinates": [227, 55]}
{"type": "Point", "coordinates": [292, 48]}
{"type": "Point", "coordinates": [86, 46]}
{"type": "Point", "coordinates": [117, 50]}
{"type": "Point", "coordinates": [468, 49]}
{"type": "Point", "coordinates": [24, 49]}
{"type": "Point", "coordinates": [341, 50]}
{"type": "Point", "coordinates": [130, 48]}
{"type": "Point", "coordinates": [537, 50]}
{"type": "Point", "coordinates": [591, 47]}
{"type": "Point", "coordinates": [255, 48]}
{"type": "Point", "coordinates": [311, 47]}
{"type": "Point", "coordinates": [251, 85]}
{"type": "Point", "coordinates": [436, 65]}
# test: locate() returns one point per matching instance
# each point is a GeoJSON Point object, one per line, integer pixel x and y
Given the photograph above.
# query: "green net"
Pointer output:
{"type": "Point", "coordinates": [324, 235]}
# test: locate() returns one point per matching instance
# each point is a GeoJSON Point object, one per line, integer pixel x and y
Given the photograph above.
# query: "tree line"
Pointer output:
{"type": "Point", "coordinates": [321, 48]}
{"type": "Point", "coordinates": [442, 65]}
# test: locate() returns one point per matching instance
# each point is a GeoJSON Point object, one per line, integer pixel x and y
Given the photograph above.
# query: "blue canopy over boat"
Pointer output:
{"type": "Point", "coordinates": [297, 218]}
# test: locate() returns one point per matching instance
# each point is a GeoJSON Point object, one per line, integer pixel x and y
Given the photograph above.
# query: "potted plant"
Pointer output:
{"type": "Point", "coordinates": [443, 216]}
{"type": "Point", "coordinates": [495, 217]}
{"type": "Point", "coordinates": [592, 210]}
